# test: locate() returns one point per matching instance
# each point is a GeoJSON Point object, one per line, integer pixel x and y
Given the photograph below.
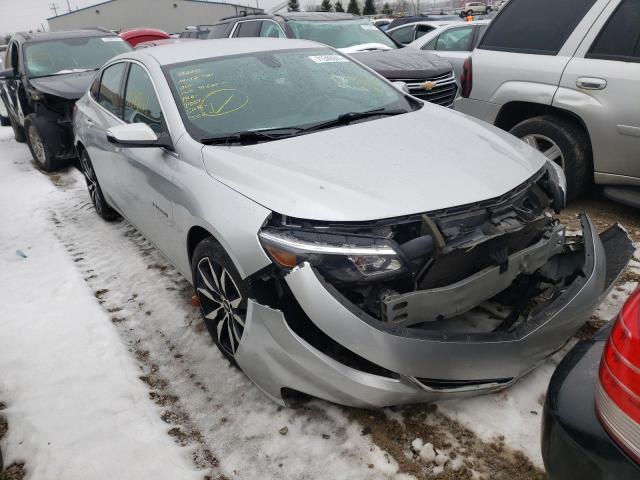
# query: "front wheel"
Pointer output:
{"type": "Point", "coordinates": [222, 294]}
{"type": "Point", "coordinates": [41, 152]}
{"type": "Point", "coordinates": [564, 143]}
{"type": "Point", "coordinates": [95, 192]}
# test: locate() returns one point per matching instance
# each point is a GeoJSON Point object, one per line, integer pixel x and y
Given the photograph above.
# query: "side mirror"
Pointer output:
{"type": "Point", "coordinates": [401, 86]}
{"type": "Point", "coordinates": [138, 135]}
{"type": "Point", "coordinates": [7, 74]}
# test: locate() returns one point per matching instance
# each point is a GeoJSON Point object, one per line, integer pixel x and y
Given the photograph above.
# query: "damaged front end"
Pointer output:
{"type": "Point", "coordinates": [460, 300]}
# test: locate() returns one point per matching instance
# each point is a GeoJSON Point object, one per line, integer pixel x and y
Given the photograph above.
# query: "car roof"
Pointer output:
{"type": "Point", "coordinates": [221, 47]}
{"type": "Point", "coordinates": [62, 35]}
{"type": "Point", "coordinates": [318, 16]}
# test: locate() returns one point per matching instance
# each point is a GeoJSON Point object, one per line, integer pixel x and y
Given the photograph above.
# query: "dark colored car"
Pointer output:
{"type": "Point", "coordinates": [43, 76]}
{"type": "Point", "coordinates": [591, 418]}
{"type": "Point", "coordinates": [423, 18]}
{"type": "Point", "coordinates": [426, 75]}
{"type": "Point", "coordinates": [134, 36]}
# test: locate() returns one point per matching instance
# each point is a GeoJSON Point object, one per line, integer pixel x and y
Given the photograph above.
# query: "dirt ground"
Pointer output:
{"type": "Point", "coordinates": [14, 471]}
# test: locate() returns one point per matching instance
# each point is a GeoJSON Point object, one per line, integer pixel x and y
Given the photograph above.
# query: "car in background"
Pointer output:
{"type": "Point", "coordinates": [424, 18]}
{"type": "Point", "coordinates": [475, 8]}
{"type": "Point", "coordinates": [382, 23]}
{"type": "Point", "coordinates": [198, 32]}
{"type": "Point", "coordinates": [591, 416]}
{"type": "Point", "coordinates": [454, 41]}
{"type": "Point", "coordinates": [331, 253]}
{"type": "Point", "coordinates": [134, 36]}
{"type": "Point", "coordinates": [44, 74]}
{"type": "Point", "coordinates": [408, 33]}
{"type": "Point", "coordinates": [426, 76]}
{"type": "Point", "coordinates": [164, 41]}
{"type": "Point", "coordinates": [568, 88]}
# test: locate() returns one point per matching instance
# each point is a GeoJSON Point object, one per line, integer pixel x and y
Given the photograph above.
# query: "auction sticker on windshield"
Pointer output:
{"type": "Point", "coordinates": [328, 58]}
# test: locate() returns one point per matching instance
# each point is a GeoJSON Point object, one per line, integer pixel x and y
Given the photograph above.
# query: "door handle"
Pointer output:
{"type": "Point", "coordinates": [590, 83]}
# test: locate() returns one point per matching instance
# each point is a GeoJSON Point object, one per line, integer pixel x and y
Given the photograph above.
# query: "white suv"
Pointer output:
{"type": "Point", "coordinates": [475, 8]}
{"type": "Point", "coordinates": [567, 84]}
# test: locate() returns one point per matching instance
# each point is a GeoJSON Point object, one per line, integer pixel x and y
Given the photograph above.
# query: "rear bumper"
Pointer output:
{"type": "Point", "coordinates": [420, 365]}
{"type": "Point", "coordinates": [574, 444]}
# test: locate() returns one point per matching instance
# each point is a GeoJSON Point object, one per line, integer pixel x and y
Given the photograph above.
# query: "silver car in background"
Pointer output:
{"type": "Point", "coordinates": [330, 255]}
{"type": "Point", "coordinates": [453, 42]}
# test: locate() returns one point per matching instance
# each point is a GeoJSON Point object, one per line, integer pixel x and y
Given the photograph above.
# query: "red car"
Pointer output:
{"type": "Point", "coordinates": [134, 36]}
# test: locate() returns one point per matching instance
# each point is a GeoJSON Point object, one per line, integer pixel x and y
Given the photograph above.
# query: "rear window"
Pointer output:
{"type": "Point", "coordinates": [537, 27]}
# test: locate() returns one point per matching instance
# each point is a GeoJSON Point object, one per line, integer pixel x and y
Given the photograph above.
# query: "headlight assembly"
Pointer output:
{"type": "Point", "coordinates": [344, 258]}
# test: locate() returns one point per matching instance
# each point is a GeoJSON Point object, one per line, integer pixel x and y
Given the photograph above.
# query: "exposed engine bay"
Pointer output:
{"type": "Point", "coordinates": [484, 267]}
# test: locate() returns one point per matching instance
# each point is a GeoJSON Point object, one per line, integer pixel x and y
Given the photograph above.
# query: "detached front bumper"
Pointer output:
{"type": "Point", "coordinates": [415, 365]}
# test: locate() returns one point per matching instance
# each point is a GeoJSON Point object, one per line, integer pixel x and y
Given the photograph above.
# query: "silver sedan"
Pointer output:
{"type": "Point", "coordinates": [342, 241]}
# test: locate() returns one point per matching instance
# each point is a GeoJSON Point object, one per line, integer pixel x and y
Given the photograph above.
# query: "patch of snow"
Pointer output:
{"type": "Point", "coordinates": [76, 409]}
{"type": "Point", "coordinates": [417, 445]}
{"type": "Point", "coordinates": [428, 453]}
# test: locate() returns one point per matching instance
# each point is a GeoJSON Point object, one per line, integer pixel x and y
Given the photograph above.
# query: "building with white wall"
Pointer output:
{"type": "Point", "coordinates": [168, 15]}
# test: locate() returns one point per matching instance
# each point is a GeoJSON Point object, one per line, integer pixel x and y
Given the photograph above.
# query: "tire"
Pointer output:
{"type": "Point", "coordinates": [573, 143]}
{"type": "Point", "coordinates": [95, 191]}
{"type": "Point", "coordinates": [18, 131]}
{"type": "Point", "coordinates": [223, 296]}
{"type": "Point", "coordinates": [41, 152]}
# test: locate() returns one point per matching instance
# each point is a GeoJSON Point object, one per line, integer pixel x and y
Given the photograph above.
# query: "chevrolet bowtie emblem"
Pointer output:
{"type": "Point", "coordinates": [428, 85]}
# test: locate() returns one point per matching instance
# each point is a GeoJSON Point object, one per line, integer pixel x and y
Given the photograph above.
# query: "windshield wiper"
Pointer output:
{"type": "Point", "coordinates": [251, 137]}
{"type": "Point", "coordinates": [347, 118]}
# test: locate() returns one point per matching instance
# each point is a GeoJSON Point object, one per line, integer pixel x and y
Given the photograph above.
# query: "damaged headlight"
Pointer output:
{"type": "Point", "coordinates": [344, 258]}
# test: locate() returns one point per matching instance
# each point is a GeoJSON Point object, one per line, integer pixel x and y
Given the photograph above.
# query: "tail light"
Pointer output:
{"type": "Point", "coordinates": [618, 392]}
{"type": "Point", "coordinates": [466, 79]}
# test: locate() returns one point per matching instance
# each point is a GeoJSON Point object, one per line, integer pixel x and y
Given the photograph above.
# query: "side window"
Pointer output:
{"type": "Point", "coordinates": [620, 37]}
{"type": "Point", "coordinates": [219, 31]}
{"type": "Point", "coordinates": [455, 40]}
{"type": "Point", "coordinates": [403, 35]}
{"type": "Point", "coordinates": [525, 26]}
{"type": "Point", "coordinates": [109, 95]}
{"type": "Point", "coordinates": [271, 29]}
{"type": "Point", "coordinates": [12, 57]}
{"type": "Point", "coordinates": [422, 29]}
{"type": "Point", "coordinates": [141, 104]}
{"type": "Point", "coordinates": [203, 34]}
{"type": "Point", "coordinates": [248, 29]}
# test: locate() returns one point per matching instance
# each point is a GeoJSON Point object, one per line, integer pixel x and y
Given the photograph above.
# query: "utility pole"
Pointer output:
{"type": "Point", "coordinates": [54, 7]}
{"type": "Point", "coordinates": [68, 6]}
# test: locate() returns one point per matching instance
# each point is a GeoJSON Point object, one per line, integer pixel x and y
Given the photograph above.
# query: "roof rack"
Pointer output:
{"type": "Point", "coordinates": [244, 14]}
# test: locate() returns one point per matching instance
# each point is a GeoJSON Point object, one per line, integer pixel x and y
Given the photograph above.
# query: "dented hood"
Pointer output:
{"type": "Point", "coordinates": [70, 85]}
{"type": "Point", "coordinates": [427, 160]}
{"type": "Point", "coordinates": [404, 63]}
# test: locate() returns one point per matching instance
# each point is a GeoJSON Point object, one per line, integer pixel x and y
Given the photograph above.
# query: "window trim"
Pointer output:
{"type": "Point", "coordinates": [236, 26]}
{"type": "Point", "coordinates": [614, 58]}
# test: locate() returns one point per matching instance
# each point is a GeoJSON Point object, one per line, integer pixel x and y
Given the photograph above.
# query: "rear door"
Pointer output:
{"type": "Point", "coordinates": [529, 44]}
{"type": "Point", "coordinates": [606, 73]}
{"type": "Point", "coordinates": [103, 111]}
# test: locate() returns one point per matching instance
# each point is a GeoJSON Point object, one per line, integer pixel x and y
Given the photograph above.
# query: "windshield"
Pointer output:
{"type": "Point", "coordinates": [340, 34]}
{"type": "Point", "coordinates": [57, 57]}
{"type": "Point", "coordinates": [272, 90]}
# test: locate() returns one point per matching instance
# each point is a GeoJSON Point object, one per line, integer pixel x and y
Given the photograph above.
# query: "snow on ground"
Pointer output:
{"type": "Point", "coordinates": [74, 405]}
{"type": "Point", "coordinates": [62, 332]}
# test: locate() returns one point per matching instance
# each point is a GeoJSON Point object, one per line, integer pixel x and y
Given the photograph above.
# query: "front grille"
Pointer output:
{"type": "Point", "coordinates": [442, 93]}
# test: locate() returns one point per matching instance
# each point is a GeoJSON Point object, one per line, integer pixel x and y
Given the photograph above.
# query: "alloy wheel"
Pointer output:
{"type": "Point", "coordinates": [221, 303]}
{"type": "Point", "coordinates": [36, 145]}
{"type": "Point", "coordinates": [92, 183]}
{"type": "Point", "coordinates": [546, 146]}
